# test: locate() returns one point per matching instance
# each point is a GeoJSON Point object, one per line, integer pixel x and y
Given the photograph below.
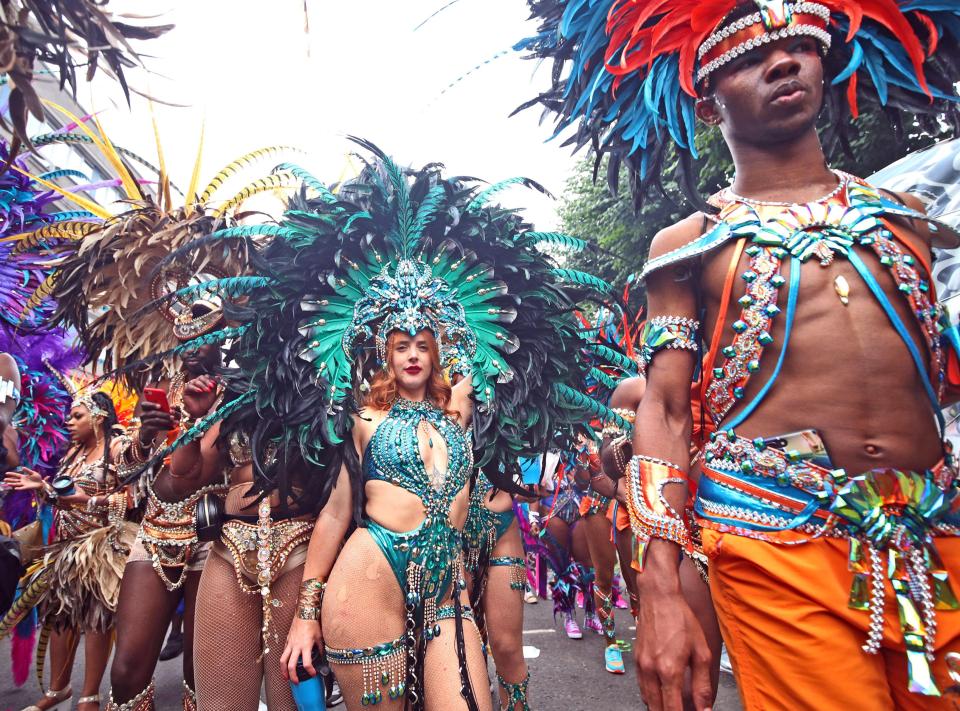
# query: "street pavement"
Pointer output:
{"type": "Point", "coordinates": [566, 675]}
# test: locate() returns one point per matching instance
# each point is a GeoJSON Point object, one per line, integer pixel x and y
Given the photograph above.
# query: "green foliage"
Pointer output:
{"type": "Point", "coordinates": [622, 234]}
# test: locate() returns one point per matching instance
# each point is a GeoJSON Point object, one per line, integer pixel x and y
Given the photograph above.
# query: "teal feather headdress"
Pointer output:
{"type": "Point", "coordinates": [402, 249]}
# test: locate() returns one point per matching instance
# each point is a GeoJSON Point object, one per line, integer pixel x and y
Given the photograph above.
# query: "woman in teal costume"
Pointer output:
{"type": "Point", "coordinates": [404, 562]}
{"type": "Point", "coordinates": [393, 338]}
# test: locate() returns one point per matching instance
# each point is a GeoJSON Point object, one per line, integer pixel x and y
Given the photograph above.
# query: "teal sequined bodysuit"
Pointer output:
{"type": "Point", "coordinates": [426, 560]}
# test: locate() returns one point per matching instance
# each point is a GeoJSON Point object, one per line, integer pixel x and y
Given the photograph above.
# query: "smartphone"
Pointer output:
{"type": "Point", "coordinates": [157, 397]}
{"type": "Point", "coordinates": [802, 446]}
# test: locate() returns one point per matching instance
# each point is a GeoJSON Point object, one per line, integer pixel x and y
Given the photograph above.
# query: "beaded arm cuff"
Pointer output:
{"type": "Point", "coordinates": [8, 391]}
{"type": "Point", "coordinates": [676, 332]}
{"type": "Point", "coordinates": [311, 599]}
{"type": "Point", "coordinates": [651, 516]}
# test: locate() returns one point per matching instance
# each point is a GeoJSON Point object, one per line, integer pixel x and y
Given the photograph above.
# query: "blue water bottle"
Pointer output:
{"type": "Point", "coordinates": [309, 693]}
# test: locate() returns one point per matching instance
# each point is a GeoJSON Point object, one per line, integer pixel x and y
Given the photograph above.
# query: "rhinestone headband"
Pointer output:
{"type": "Point", "coordinates": [774, 21]}
{"type": "Point", "coordinates": [86, 400]}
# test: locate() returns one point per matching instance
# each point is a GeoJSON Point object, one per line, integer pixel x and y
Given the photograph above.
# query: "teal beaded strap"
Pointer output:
{"type": "Point", "coordinates": [518, 572]}
{"type": "Point", "coordinates": [383, 666]}
{"type": "Point", "coordinates": [516, 693]}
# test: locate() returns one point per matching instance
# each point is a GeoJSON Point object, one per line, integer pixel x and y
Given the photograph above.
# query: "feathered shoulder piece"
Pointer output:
{"type": "Point", "coordinates": [627, 72]}
{"type": "Point", "coordinates": [111, 282]}
{"type": "Point", "coordinates": [45, 399]}
{"type": "Point", "coordinates": [406, 250]}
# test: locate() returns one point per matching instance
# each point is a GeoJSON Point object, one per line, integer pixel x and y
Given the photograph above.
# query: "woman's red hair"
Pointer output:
{"type": "Point", "coordinates": [383, 387]}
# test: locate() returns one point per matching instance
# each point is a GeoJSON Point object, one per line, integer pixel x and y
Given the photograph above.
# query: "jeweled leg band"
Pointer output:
{"type": "Point", "coordinates": [516, 693]}
{"type": "Point", "coordinates": [141, 702]}
{"type": "Point", "coordinates": [383, 665]}
{"type": "Point", "coordinates": [518, 571]}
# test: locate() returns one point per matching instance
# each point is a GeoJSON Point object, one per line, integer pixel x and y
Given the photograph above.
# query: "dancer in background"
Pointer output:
{"type": "Point", "coordinates": [497, 578]}
{"type": "Point", "coordinates": [83, 568]}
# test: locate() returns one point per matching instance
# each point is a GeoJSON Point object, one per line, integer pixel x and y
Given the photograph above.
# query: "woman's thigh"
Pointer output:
{"type": "Point", "coordinates": [442, 680]}
{"type": "Point", "coordinates": [362, 607]}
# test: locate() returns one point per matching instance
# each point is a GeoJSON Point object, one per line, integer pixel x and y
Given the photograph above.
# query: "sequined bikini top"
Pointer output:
{"type": "Point", "coordinates": [393, 454]}
{"type": "Point", "coordinates": [851, 219]}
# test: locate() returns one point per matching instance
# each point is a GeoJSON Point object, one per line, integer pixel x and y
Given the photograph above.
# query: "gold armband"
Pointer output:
{"type": "Point", "coordinates": [651, 515]}
{"type": "Point", "coordinates": [311, 599]}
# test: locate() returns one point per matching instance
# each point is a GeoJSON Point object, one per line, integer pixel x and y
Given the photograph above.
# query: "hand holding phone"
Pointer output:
{"type": "Point", "coordinates": [157, 397]}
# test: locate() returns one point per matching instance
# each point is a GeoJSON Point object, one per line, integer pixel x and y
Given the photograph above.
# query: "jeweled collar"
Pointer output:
{"type": "Point", "coordinates": [856, 209]}
{"type": "Point", "coordinates": [419, 407]}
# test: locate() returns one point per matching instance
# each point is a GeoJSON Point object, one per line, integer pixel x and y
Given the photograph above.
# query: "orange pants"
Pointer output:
{"type": "Point", "coordinates": [794, 642]}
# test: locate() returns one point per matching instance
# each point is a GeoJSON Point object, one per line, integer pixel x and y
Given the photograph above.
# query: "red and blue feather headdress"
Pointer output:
{"type": "Point", "coordinates": [627, 73]}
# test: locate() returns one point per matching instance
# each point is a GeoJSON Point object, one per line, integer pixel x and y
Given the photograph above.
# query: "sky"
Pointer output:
{"type": "Point", "coordinates": [254, 76]}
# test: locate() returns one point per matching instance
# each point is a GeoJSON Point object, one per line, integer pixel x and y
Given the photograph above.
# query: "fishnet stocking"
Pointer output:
{"type": "Point", "coordinates": [504, 614]}
{"type": "Point", "coordinates": [229, 667]}
{"type": "Point", "coordinates": [362, 607]}
{"type": "Point", "coordinates": [441, 684]}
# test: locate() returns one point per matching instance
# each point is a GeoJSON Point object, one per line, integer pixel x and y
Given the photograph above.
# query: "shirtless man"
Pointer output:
{"type": "Point", "coordinates": [822, 374]}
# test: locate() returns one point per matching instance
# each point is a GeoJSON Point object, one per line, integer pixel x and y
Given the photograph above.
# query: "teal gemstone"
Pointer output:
{"type": "Point", "coordinates": [436, 630]}
{"type": "Point", "coordinates": [713, 436]}
{"type": "Point", "coordinates": [384, 677]}
{"type": "Point", "coordinates": [753, 250]}
{"type": "Point", "coordinates": [709, 457]}
{"type": "Point", "coordinates": [778, 280]}
{"type": "Point", "coordinates": [731, 435]}
{"type": "Point", "coordinates": [729, 351]}
{"type": "Point", "coordinates": [393, 693]}
{"type": "Point", "coordinates": [749, 276]}
{"type": "Point", "coordinates": [924, 286]}
{"type": "Point", "coordinates": [739, 326]}
{"type": "Point", "coordinates": [905, 288]}
{"type": "Point", "coordinates": [867, 241]}
{"type": "Point", "coordinates": [765, 338]}
{"type": "Point", "coordinates": [779, 253]}
{"type": "Point", "coordinates": [886, 260]}
{"type": "Point", "coordinates": [759, 444]}
{"type": "Point", "coordinates": [747, 467]}
{"type": "Point", "coordinates": [908, 260]}
{"type": "Point", "coordinates": [738, 392]}
{"type": "Point", "coordinates": [718, 372]}
{"type": "Point", "coordinates": [365, 700]}
{"type": "Point", "coordinates": [377, 696]}
{"type": "Point", "coordinates": [745, 300]}
{"type": "Point", "coordinates": [783, 479]}
{"type": "Point", "coordinates": [771, 310]}
{"type": "Point", "coordinates": [753, 366]}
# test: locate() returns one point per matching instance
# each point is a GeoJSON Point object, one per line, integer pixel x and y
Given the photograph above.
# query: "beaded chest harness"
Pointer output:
{"type": "Point", "coordinates": [838, 225]}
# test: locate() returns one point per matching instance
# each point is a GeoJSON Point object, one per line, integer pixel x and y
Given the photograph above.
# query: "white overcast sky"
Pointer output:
{"type": "Point", "coordinates": [249, 69]}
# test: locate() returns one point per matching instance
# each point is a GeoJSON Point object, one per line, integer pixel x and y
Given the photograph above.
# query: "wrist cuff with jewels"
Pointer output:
{"type": "Point", "coordinates": [651, 515]}
{"type": "Point", "coordinates": [311, 599]}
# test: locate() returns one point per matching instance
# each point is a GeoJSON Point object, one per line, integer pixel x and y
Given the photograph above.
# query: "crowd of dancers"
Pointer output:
{"type": "Point", "coordinates": [344, 431]}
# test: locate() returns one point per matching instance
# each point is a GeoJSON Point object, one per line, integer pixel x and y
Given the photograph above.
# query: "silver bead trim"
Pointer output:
{"type": "Point", "coordinates": [803, 8]}
{"type": "Point", "coordinates": [793, 31]}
